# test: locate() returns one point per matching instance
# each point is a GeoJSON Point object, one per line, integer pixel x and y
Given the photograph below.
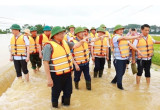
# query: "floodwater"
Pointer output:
{"type": "Point", "coordinates": [35, 95]}
{"type": "Point", "coordinates": [4, 43]}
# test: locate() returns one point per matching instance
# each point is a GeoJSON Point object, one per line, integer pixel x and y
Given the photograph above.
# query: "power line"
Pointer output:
{"type": "Point", "coordinates": [112, 13]}
{"type": "Point", "coordinates": [8, 18]}
{"type": "Point", "coordinates": [141, 10]}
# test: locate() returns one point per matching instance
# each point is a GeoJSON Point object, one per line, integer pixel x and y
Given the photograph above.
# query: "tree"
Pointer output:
{"type": "Point", "coordinates": [39, 28]}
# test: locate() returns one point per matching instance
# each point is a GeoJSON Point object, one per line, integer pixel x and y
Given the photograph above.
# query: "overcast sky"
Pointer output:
{"type": "Point", "coordinates": [79, 12]}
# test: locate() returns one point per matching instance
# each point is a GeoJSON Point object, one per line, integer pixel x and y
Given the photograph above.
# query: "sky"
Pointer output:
{"type": "Point", "coordinates": [87, 13]}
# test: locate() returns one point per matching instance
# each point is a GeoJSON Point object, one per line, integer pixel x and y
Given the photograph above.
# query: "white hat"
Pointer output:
{"type": "Point", "coordinates": [27, 31]}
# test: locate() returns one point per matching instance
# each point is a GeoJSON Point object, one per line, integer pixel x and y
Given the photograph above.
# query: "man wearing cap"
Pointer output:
{"type": "Point", "coordinates": [121, 46]}
{"type": "Point", "coordinates": [43, 38]}
{"type": "Point", "coordinates": [19, 51]}
{"type": "Point", "coordinates": [58, 65]}
{"type": "Point", "coordinates": [70, 35]}
{"type": "Point", "coordinates": [132, 32]}
{"type": "Point", "coordinates": [109, 39]}
{"type": "Point", "coordinates": [145, 45]}
{"type": "Point", "coordinates": [93, 33]}
{"type": "Point", "coordinates": [99, 52]}
{"type": "Point", "coordinates": [81, 59]}
{"type": "Point", "coordinates": [86, 31]}
{"type": "Point", "coordinates": [35, 50]}
{"type": "Point", "coordinates": [86, 34]}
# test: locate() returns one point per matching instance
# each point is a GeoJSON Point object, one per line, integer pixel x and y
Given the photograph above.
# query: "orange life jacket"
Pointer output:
{"type": "Point", "coordinates": [44, 39]}
{"type": "Point", "coordinates": [93, 36]}
{"type": "Point", "coordinates": [81, 54]}
{"type": "Point", "coordinates": [100, 47]}
{"type": "Point", "coordinates": [18, 46]}
{"type": "Point", "coordinates": [61, 58]}
{"type": "Point", "coordinates": [34, 45]}
{"type": "Point", "coordinates": [123, 47]}
{"type": "Point", "coordinates": [69, 34]}
{"type": "Point", "coordinates": [146, 47]}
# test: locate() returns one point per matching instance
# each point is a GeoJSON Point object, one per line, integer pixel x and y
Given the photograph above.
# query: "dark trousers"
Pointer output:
{"type": "Point", "coordinates": [61, 83]}
{"type": "Point", "coordinates": [146, 65]}
{"type": "Point", "coordinates": [99, 64]}
{"type": "Point", "coordinates": [109, 53]}
{"type": "Point", "coordinates": [120, 67]}
{"type": "Point", "coordinates": [128, 62]}
{"type": "Point", "coordinates": [35, 61]}
{"type": "Point", "coordinates": [20, 65]}
{"type": "Point", "coordinates": [83, 68]}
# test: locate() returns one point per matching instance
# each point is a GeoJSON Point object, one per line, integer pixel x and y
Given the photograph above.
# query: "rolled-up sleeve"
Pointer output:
{"type": "Point", "coordinates": [153, 40]}
{"type": "Point", "coordinates": [135, 42]}
{"type": "Point", "coordinates": [47, 51]}
{"type": "Point", "coordinates": [70, 44]}
{"type": "Point", "coordinates": [26, 40]}
{"type": "Point", "coordinates": [115, 39]}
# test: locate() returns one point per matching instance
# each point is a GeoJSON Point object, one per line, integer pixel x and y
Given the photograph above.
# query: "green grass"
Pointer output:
{"type": "Point", "coordinates": [156, 57]}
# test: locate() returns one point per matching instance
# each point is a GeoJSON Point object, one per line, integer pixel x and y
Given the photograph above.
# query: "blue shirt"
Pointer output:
{"type": "Point", "coordinates": [117, 55]}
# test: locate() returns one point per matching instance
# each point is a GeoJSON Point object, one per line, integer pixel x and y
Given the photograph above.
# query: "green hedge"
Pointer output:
{"type": "Point", "coordinates": [156, 57]}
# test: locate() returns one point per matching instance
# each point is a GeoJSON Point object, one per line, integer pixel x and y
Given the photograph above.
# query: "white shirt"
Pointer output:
{"type": "Point", "coordinates": [136, 42]}
{"type": "Point", "coordinates": [26, 40]}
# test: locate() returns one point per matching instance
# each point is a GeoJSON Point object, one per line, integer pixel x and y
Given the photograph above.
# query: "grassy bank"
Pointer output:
{"type": "Point", "coordinates": [156, 57]}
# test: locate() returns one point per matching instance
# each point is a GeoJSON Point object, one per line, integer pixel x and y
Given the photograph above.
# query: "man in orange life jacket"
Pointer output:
{"type": "Point", "coordinates": [19, 52]}
{"type": "Point", "coordinates": [43, 38]}
{"type": "Point", "coordinates": [86, 34]}
{"type": "Point", "coordinates": [58, 65]}
{"type": "Point", "coordinates": [99, 52]}
{"type": "Point", "coordinates": [93, 33]}
{"type": "Point", "coordinates": [81, 59]}
{"type": "Point", "coordinates": [109, 40]}
{"type": "Point", "coordinates": [132, 32]}
{"type": "Point", "coordinates": [35, 50]}
{"type": "Point", "coordinates": [145, 45]}
{"type": "Point", "coordinates": [70, 35]}
{"type": "Point", "coordinates": [121, 46]}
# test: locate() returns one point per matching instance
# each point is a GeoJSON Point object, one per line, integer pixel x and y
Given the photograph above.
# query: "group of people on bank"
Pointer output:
{"type": "Point", "coordinates": [66, 52]}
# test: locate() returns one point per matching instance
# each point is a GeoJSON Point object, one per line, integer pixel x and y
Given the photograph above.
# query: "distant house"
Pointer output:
{"type": "Point", "coordinates": [157, 29]}
{"type": "Point", "coordinates": [152, 30]}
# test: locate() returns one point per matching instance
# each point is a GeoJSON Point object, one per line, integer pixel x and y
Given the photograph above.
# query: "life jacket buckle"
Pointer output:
{"type": "Point", "coordinates": [69, 61]}
{"type": "Point", "coordinates": [67, 55]}
{"type": "Point", "coordinates": [70, 67]}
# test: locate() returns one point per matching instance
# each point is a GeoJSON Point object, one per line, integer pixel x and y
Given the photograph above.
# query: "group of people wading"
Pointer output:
{"type": "Point", "coordinates": [64, 53]}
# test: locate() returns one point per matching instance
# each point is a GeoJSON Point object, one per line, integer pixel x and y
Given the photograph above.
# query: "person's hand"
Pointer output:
{"type": "Point", "coordinates": [86, 38]}
{"type": "Point", "coordinates": [107, 58]}
{"type": "Point", "coordinates": [40, 56]}
{"type": "Point", "coordinates": [102, 37]}
{"type": "Point", "coordinates": [50, 83]}
{"type": "Point", "coordinates": [140, 36]}
{"type": "Point", "coordinates": [27, 59]}
{"type": "Point", "coordinates": [140, 53]}
{"type": "Point", "coordinates": [77, 67]}
{"type": "Point", "coordinates": [11, 59]}
{"type": "Point", "coordinates": [83, 40]}
{"type": "Point", "coordinates": [93, 58]}
{"type": "Point", "coordinates": [133, 61]}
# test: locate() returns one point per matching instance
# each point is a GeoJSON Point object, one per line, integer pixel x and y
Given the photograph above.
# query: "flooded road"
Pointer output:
{"type": "Point", "coordinates": [4, 43]}
{"type": "Point", "coordinates": [35, 95]}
